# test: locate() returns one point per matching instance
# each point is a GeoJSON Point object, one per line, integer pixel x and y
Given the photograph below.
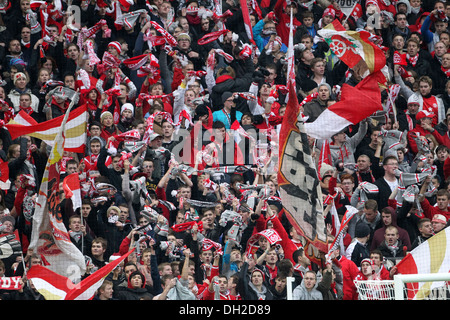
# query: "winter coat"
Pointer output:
{"type": "Point", "coordinates": [301, 293]}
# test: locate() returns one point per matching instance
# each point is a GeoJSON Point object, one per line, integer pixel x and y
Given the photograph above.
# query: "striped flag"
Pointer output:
{"type": "Point", "coordinates": [49, 236]}
{"type": "Point", "coordinates": [356, 104]}
{"type": "Point", "coordinates": [432, 256]}
{"type": "Point", "coordinates": [75, 134]}
{"type": "Point", "coordinates": [354, 48]}
{"type": "Point", "coordinates": [72, 189]}
{"type": "Point", "coordinates": [54, 286]}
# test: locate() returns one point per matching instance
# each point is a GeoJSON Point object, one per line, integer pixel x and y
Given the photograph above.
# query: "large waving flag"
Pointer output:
{"type": "Point", "coordinates": [354, 48]}
{"type": "Point", "coordinates": [49, 236]}
{"type": "Point", "coordinates": [432, 256]}
{"type": "Point", "coordinates": [356, 104]}
{"type": "Point", "coordinates": [75, 135]}
{"type": "Point", "coordinates": [300, 190]}
{"type": "Point", "coordinates": [54, 286]}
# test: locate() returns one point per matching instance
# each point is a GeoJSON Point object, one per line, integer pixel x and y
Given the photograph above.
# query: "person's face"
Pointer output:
{"type": "Point", "coordinates": [426, 229]}
{"type": "Point", "coordinates": [189, 96]}
{"type": "Point", "coordinates": [439, 6]}
{"type": "Point", "coordinates": [437, 226]}
{"type": "Point", "coordinates": [108, 291]}
{"type": "Point", "coordinates": [442, 202]}
{"type": "Point", "coordinates": [229, 103]}
{"type": "Point", "coordinates": [445, 38]}
{"type": "Point", "coordinates": [129, 270]}
{"type": "Point", "coordinates": [246, 120]}
{"type": "Point", "coordinates": [401, 21]}
{"type": "Point", "coordinates": [75, 224]}
{"type": "Point", "coordinates": [324, 93]}
{"type": "Point", "coordinates": [185, 193]}
{"type": "Point", "coordinates": [370, 214]}
{"type": "Point", "coordinates": [263, 243]}
{"type": "Point", "coordinates": [366, 268]}
{"type": "Point", "coordinates": [440, 26]}
{"type": "Point", "coordinates": [327, 19]}
{"type": "Point", "coordinates": [71, 168]}
{"type": "Point", "coordinates": [400, 155]}
{"type": "Point", "coordinates": [319, 68]}
{"type": "Point", "coordinates": [271, 257]}
{"type": "Point", "coordinates": [415, 3]}
{"type": "Point", "coordinates": [157, 90]}
{"type": "Point", "coordinates": [124, 213]}
{"type": "Point", "coordinates": [24, 5]}
{"type": "Point", "coordinates": [391, 237]}
{"type": "Point", "coordinates": [387, 218]}
{"type": "Point", "coordinates": [442, 155]}
{"type": "Point", "coordinates": [8, 227]}
{"type": "Point", "coordinates": [69, 82]}
{"type": "Point", "coordinates": [180, 218]}
{"type": "Point", "coordinates": [271, 77]}
{"type": "Point", "coordinates": [108, 121]}
{"type": "Point", "coordinates": [424, 88]}
{"type": "Point", "coordinates": [25, 101]}
{"type": "Point", "coordinates": [184, 43]}
{"type": "Point", "coordinates": [220, 134]}
{"type": "Point", "coordinates": [44, 76]}
{"type": "Point", "coordinates": [205, 24]}
{"type": "Point", "coordinates": [446, 61]}
{"type": "Point", "coordinates": [25, 34]}
{"type": "Point", "coordinates": [207, 256]}
{"type": "Point", "coordinates": [53, 31]}
{"type": "Point", "coordinates": [413, 108]}
{"type": "Point", "coordinates": [391, 166]}
{"type": "Point", "coordinates": [85, 210]}
{"type": "Point", "coordinates": [376, 259]}
{"type": "Point", "coordinates": [308, 21]}
{"type": "Point", "coordinates": [95, 131]}
{"type": "Point", "coordinates": [257, 278]}
{"type": "Point", "coordinates": [398, 42]}
{"type": "Point", "coordinates": [167, 129]}
{"type": "Point", "coordinates": [347, 185]}
{"type": "Point", "coordinates": [308, 55]}
{"type": "Point", "coordinates": [136, 281]}
{"type": "Point", "coordinates": [184, 24]}
{"type": "Point", "coordinates": [147, 167]}
{"type": "Point", "coordinates": [116, 164]}
{"type": "Point", "coordinates": [73, 52]}
{"type": "Point", "coordinates": [208, 217]}
{"type": "Point", "coordinates": [21, 83]}
{"type": "Point", "coordinates": [310, 280]}
{"type": "Point", "coordinates": [97, 249]}
{"type": "Point", "coordinates": [48, 65]}
{"type": "Point", "coordinates": [412, 48]}
{"type": "Point", "coordinates": [440, 49]}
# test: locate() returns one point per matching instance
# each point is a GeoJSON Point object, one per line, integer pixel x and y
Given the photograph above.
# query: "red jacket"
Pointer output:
{"type": "Point", "coordinates": [349, 273]}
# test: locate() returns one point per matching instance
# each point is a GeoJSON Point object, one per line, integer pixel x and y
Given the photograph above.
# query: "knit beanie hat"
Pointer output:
{"type": "Point", "coordinates": [116, 45]}
{"type": "Point", "coordinates": [127, 106]}
{"type": "Point", "coordinates": [362, 230]}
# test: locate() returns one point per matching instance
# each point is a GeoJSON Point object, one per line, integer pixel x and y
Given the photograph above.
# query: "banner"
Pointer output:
{"type": "Point", "coordinates": [298, 181]}
{"type": "Point", "coordinates": [75, 134]}
{"type": "Point", "coordinates": [57, 287]}
{"type": "Point", "coordinates": [11, 283]}
{"type": "Point", "coordinates": [354, 48]}
{"type": "Point", "coordinates": [432, 256]}
{"type": "Point", "coordinates": [49, 236]}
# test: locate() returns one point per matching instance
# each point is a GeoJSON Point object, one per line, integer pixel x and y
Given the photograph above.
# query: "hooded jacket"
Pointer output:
{"type": "Point", "coordinates": [131, 293]}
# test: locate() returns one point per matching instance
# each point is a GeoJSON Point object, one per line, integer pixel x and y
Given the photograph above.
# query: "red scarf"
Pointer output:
{"type": "Point", "coordinates": [412, 60]}
{"type": "Point", "coordinates": [446, 71]}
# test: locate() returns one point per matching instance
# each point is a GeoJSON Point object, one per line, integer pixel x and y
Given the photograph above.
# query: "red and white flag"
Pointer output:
{"type": "Point", "coordinates": [49, 236]}
{"type": "Point", "coordinates": [356, 104]}
{"type": "Point", "coordinates": [11, 283]}
{"type": "Point", "coordinates": [75, 135]}
{"type": "Point", "coordinates": [325, 156]}
{"type": "Point", "coordinates": [54, 286]}
{"type": "Point", "coordinates": [72, 189]}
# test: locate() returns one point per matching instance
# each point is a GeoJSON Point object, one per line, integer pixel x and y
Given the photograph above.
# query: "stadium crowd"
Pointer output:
{"type": "Point", "coordinates": [181, 155]}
